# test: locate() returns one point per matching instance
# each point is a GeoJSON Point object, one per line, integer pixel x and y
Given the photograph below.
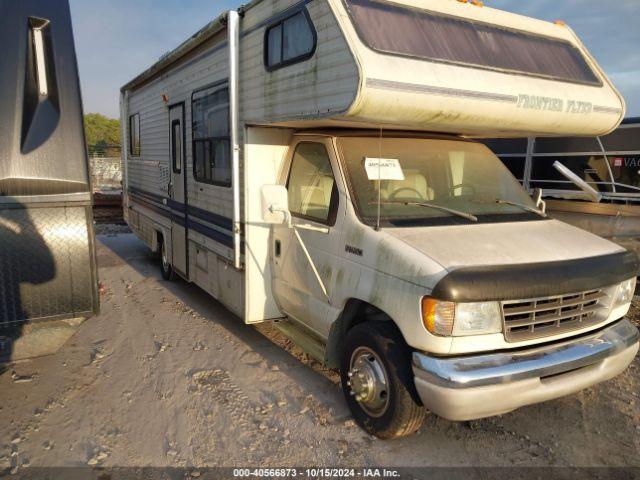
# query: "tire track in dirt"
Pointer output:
{"type": "Point", "coordinates": [249, 429]}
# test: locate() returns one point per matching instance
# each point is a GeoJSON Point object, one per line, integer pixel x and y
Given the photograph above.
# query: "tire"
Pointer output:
{"type": "Point", "coordinates": [376, 350]}
{"type": "Point", "coordinates": [165, 265]}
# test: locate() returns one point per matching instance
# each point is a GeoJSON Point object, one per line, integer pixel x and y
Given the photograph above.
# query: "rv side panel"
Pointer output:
{"type": "Point", "coordinates": [208, 207]}
{"type": "Point", "coordinates": [321, 86]}
{"type": "Point", "coordinates": [324, 84]}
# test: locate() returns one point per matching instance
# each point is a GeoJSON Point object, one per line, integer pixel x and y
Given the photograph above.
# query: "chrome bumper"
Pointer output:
{"type": "Point", "coordinates": [454, 387]}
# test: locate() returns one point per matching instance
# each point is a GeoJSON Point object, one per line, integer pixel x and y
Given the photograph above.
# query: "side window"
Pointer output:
{"type": "Point", "coordinates": [176, 146]}
{"type": "Point", "coordinates": [134, 135]}
{"type": "Point", "coordinates": [312, 187]}
{"type": "Point", "coordinates": [289, 41]}
{"type": "Point", "coordinates": [211, 144]}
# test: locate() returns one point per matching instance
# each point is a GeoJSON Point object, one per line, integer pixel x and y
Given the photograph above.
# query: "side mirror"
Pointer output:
{"type": "Point", "coordinates": [275, 205]}
{"type": "Point", "coordinates": [537, 197]}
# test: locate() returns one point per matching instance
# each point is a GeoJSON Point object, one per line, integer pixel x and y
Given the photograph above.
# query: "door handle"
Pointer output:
{"type": "Point", "coordinates": [170, 190]}
{"type": "Point", "coordinates": [278, 248]}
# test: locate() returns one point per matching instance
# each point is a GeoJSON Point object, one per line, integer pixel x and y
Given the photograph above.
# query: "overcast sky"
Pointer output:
{"type": "Point", "coordinates": [117, 39]}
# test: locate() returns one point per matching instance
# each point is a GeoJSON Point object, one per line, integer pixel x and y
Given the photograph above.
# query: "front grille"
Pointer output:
{"type": "Point", "coordinates": [542, 317]}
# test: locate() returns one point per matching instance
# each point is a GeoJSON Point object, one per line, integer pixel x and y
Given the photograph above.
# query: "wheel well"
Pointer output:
{"type": "Point", "coordinates": [158, 239]}
{"type": "Point", "coordinates": [354, 313]}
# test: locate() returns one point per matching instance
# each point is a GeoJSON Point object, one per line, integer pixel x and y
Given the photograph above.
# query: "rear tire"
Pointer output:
{"type": "Point", "coordinates": [377, 381]}
{"type": "Point", "coordinates": [165, 265]}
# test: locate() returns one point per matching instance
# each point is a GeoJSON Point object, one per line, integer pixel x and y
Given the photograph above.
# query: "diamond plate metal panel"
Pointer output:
{"type": "Point", "coordinates": [45, 264]}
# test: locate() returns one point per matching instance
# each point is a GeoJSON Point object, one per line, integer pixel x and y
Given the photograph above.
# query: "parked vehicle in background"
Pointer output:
{"type": "Point", "coordinates": [283, 159]}
{"type": "Point", "coordinates": [610, 164]}
{"type": "Point", "coordinates": [47, 255]}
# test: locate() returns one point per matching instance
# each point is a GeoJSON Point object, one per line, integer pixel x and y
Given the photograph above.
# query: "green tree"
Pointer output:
{"type": "Point", "coordinates": [101, 130]}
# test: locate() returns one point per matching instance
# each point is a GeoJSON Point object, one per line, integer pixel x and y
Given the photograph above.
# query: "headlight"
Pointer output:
{"type": "Point", "coordinates": [460, 319]}
{"type": "Point", "coordinates": [477, 319]}
{"type": "Point", "coordinates": [624, 293]}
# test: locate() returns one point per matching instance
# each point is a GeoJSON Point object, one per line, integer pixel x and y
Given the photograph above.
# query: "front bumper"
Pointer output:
{"type": "Point", "coordinates": [467, 388]}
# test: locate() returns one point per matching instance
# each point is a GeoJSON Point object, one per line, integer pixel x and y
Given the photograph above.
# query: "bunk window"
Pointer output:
{"type": "Point", "coordinates": [423, 34]}
{"type": "Point", "coordinates": [134, 135]}
{"type": "Point", "coordinates": [289, 41]}
{"type": "Point", "coordinates": [211, 143]}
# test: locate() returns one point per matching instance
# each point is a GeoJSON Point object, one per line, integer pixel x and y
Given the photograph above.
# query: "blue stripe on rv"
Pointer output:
{"type": "Point", "coordinates": [175, 210]}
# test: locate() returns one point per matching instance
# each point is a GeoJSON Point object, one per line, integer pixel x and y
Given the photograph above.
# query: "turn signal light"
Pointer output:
{"type": "Point", "coordinates": [438, 316]}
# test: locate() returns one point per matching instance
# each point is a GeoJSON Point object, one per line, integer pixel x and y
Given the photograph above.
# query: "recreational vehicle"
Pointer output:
{"type": "Point", "coordinates": [308, 163]}
{"type": "Point", "coordinates": [47, 255]}
{"type": "Point", "coordinates": [610, 165]}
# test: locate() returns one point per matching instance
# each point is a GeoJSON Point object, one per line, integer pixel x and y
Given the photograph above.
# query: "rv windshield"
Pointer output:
{"type": "Point", "coordinates": [457, 176]}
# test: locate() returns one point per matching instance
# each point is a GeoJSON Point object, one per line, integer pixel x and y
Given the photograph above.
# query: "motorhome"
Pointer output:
{"type": "Point", "coordinates": [309, 163]}
{"type": "Point", "coordinates": [610, 165]}
{"type": "Point", "coordinates": [47, 253]}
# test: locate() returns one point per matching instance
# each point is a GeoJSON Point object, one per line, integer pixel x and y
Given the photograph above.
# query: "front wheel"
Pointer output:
{"type": "Point", "coordinates": [377, 381]}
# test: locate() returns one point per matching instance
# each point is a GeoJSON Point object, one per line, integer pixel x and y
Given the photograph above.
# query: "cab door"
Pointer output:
{"type": "Point", "coordinates": [314, 203]}
{"type": "Point", "coordinates": [178, 190]}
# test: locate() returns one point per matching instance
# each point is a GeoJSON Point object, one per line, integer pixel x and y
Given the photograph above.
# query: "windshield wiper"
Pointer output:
{"type": "Point", "coordinates": [524, 207]}
{"type": "Point", "coordinates": [465, 215]}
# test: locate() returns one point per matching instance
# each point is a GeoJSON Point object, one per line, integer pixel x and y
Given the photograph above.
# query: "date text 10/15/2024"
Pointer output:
{"type": "Point", "coordinates": [309, 473]}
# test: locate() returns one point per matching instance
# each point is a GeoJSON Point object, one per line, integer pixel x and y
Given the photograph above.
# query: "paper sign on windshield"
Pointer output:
{"type": "Point", "coordinates": [383, 169]}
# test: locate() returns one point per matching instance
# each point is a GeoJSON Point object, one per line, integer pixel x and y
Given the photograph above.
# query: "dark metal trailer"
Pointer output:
{"type": "Point", "coordinates": [47, 253]}
{"type": "Point", "coordinates": [610, 164]}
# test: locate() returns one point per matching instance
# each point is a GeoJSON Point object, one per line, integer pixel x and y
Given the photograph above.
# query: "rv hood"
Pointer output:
{"type": "Point", "coordinates": [518, 260]}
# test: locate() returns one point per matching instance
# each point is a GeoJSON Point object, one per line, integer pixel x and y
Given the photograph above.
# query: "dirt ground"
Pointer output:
{"type": "Point", "coordinates": [165, 376]}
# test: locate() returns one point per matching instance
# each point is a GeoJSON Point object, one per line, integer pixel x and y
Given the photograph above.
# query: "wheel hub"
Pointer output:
{"type": "Point", "coordinates": [368, 381]}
